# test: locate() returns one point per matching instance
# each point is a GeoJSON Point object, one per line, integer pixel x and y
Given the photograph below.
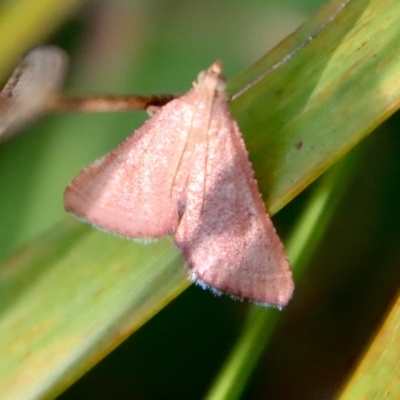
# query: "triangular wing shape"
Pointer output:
{"type": "Point", "coordinates": [134, 190]}
{"type": "Point", "coordinates": [225, 233]}
{"type": "Point", "coordinates": [186, 171]}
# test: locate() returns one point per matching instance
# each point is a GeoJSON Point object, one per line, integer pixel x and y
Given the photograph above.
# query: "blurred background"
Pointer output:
{"type": "Point", "coordinates": [159, 46]}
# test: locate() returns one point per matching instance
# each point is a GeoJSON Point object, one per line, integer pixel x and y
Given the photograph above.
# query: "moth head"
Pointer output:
{"type": "Point", "coordinates": [212, 78]}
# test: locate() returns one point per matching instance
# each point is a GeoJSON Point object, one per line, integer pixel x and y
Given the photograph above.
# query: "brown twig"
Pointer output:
{"type": "Point", "coordinates": [108, 103]}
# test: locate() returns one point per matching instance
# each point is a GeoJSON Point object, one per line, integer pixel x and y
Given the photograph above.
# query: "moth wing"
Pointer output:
{"type": "Point", "coordinates": [225, 233]}
{"type": "Point", "coordinates": [132, 190]}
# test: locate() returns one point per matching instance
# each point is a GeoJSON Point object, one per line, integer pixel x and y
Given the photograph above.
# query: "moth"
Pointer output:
{"type": "Point", "coordinates": [185, 172]}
